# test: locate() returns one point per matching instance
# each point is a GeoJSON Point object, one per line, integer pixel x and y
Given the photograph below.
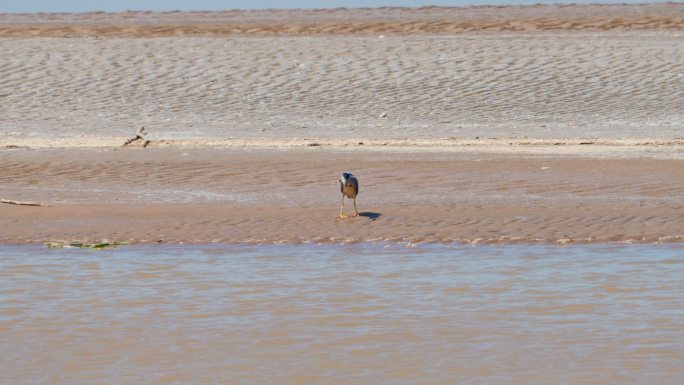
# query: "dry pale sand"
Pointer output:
{"type": "Point", "coordinates": [607, 85]}
{"type": "Point", "coordinates": [563, 83]}
{"type": "Point", "coordinates": [485, 124]}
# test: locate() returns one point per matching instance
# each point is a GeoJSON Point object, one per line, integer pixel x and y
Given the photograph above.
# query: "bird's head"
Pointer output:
{"type": "Point", "coordinates": [345, 177]}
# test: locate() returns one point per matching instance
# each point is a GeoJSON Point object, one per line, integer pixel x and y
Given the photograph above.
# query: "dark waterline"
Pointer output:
{"type": "Point", "coordinates": [330, 314]}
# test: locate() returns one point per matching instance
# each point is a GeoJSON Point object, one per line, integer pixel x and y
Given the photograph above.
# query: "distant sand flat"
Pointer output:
{"type": "Point", "coordinates": [425, 20]}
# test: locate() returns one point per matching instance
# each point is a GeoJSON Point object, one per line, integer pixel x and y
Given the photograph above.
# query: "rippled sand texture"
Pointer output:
{"type": "Point", "coordinates": [342, 315]}
{"type": "Point", "coordinates": [577, 84]}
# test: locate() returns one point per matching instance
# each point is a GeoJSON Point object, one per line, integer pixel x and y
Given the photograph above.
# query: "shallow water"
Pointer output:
{"type": "Point", "coordinates": [342, 314]}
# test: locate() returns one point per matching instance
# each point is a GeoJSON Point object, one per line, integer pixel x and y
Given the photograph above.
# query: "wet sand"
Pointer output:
{"type": "Point", "coordinates": [525, 124]}
{"type": "Point", "coordinates": [292, 195]}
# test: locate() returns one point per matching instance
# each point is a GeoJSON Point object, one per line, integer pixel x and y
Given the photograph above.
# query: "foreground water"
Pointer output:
{"type": "Point", "coordinates": [342, 314]}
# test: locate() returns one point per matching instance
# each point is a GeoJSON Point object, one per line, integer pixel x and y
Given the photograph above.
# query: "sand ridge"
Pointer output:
{"type": "Point", "coordinates": [594, 148]}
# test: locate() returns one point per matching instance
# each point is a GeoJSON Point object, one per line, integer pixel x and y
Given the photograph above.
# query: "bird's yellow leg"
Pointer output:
{"type": "Point", "coordinates": [355, 209]}
{"type": "Point", "coordinates": [341, 206]}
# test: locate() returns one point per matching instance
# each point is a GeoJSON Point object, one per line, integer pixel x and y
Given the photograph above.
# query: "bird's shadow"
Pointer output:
{"type": "Point", "coordinates": [370, 215]}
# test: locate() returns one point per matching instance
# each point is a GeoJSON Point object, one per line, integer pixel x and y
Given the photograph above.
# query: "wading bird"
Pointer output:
{"type": "Point", "coordinates": [349, 186]}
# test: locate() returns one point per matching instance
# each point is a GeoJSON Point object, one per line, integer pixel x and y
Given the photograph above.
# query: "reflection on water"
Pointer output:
{"type": "Point", "coordinates": [344, 314]}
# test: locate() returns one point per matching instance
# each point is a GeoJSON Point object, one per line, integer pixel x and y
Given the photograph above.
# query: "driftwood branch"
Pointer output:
{"type": "Point", "coordinates": [139, 135]}
{"type": "Point", "coordinates": [11, 202]}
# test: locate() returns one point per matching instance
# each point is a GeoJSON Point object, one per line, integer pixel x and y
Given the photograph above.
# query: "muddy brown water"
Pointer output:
{"type": "Point", "coordinates": [353, 314]}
